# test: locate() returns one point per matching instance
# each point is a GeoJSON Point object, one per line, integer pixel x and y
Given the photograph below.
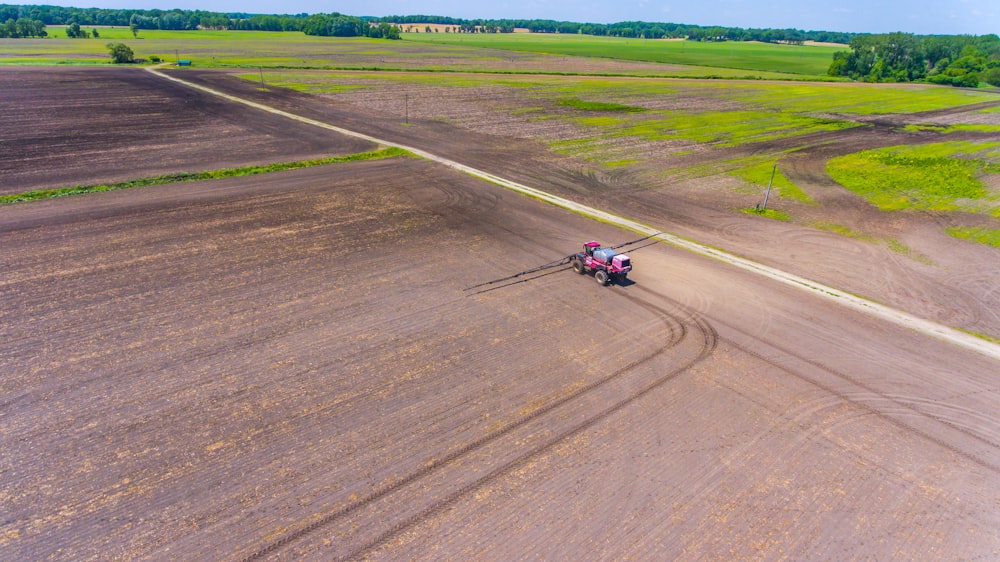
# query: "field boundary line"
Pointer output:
{"type": "Point", "coordinates": [889, 314]}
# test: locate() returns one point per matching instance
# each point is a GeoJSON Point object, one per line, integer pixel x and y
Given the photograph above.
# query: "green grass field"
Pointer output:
{"type": "Point", "coordinates": [805, 60]}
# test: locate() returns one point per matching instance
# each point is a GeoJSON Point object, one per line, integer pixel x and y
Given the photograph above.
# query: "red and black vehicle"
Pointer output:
{"type": "Point", "coordinates": [607, 266]}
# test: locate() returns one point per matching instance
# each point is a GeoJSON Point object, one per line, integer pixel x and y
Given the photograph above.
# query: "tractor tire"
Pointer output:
{"type": "Point", "coordinates": [578, 267]}
{"type": "Point", "coordinates": [602, 277]}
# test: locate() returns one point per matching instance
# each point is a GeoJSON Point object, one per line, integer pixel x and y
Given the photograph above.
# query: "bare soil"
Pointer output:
{"type": "Point", "coordinates": [81, 126]}
{"type": "Point", "coordinates": [290, 366]}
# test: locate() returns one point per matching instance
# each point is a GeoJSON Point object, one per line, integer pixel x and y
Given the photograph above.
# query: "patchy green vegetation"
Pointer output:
{"type": "Point", "coordinates": [938, 177]}
{"type": "Point", "coordinates": [990, 237]}
{"type": "Point", "coordinates": [853, 99]}
{"type": "Point", "coordinates": [198, 176]}
{"type": "Point", "coordinates": [754, 112]}
{"type": "Point", "coordinates": [891, 243]}
{"type": "Point", "coordinates": [760, 174]}
{"type": "Point", "coordinates": [768, 213]}
{"type": "Point", "coordinates": [842, 230]}
{"type": "Point", "coordinates": [903, 249]}
{"type": "Point", "coordinates": [947, 129]}
{"type": "Point", "coordinates": [730, 128]}
{"type": "Point", "coordinates": [600, 106]}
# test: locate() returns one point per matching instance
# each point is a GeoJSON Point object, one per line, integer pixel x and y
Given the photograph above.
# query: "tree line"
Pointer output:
{"type": "Point", "coordinates": [333, 24]}
{"type": "Point", "coordinates": [319, 24]}
{"type": "Point", "coordinates": [630, 29]}
{"type": "Point", "coordinates": [955, 60]}
{"type": "Point", "coordinates": [21, 28]}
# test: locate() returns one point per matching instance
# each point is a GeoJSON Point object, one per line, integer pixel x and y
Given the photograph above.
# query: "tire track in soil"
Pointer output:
{"type": "Point", "coordinates": [873, 410]}
{"type": "Point", "coordinates": [873, 392]}
{"type": "Point", "coordinates": [800, 418]}
{"type": "Point", "coordinates": [678, 329]}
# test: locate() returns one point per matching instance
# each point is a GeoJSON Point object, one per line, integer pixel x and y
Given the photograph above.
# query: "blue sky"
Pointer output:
{"type": "Point", "coordinates": [976, 17]}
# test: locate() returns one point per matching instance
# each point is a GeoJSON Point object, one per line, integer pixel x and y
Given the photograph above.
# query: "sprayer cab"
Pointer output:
{"type": "Point", "coordinates": [606, 265]}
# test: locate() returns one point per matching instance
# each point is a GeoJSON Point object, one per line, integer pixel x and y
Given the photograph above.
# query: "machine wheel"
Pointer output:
{"type": "Point", "coordinates": [602, 277]}
{"type": "Point", "coordinates": [578, 266]}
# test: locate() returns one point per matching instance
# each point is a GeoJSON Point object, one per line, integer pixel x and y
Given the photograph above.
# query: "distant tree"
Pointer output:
{"type": "Point", "coordinates": [427, 29]}
{"type": "Point", "coordinates": [73, 31]}
{"type": "Point", "coordinates": [94, 34]}
{"type": "Point", "coordinates": [120, 53]}
{"type": "Point", "coordinates": [135, 30]}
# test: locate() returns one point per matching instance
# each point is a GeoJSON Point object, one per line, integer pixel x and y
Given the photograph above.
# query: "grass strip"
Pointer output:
{"type": "Point", "coordinates": [980, 336]}
{"type": "Point", "coordinates": [600, 106]}
{"type": "Point", "coordinates": [198, 176]}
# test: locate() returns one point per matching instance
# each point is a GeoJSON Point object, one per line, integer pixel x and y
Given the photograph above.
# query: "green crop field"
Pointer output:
{"type": "Point", "coordinates": [223, 49]}
{"type": "Point", "coordinates": [806, 60]}
{"type": "Point", "coordinates": [429, 52]}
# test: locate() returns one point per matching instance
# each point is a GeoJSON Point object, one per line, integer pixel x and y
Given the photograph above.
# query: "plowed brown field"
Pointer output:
{"type": "Point", "coordinates": [290, 366]}
{"type": "Point", "coordinates": [65, 127]}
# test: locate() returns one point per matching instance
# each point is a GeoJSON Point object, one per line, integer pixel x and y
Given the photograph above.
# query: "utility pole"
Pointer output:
{"type": "Point", "coordinates": [768, 192]}
{"type": "Point", "coordinates": [262, 86]}
{"type": "Point", "coordinates": [406, 108]}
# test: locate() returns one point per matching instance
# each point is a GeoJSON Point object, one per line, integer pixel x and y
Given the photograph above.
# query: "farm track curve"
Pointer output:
{"type": "Point", "coordinates": [678, 330]}
{"type": "Point", "coordinates": [990, 442]}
